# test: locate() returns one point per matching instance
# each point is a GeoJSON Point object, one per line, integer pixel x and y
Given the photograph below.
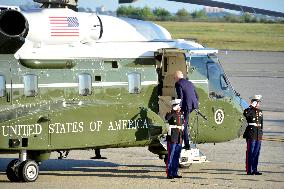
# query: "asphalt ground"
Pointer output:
{"type": "Point", "coordinates": [250, 73]}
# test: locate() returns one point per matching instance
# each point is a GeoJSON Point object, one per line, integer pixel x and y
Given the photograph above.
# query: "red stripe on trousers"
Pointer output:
{"type": "Point", "coordinates": [247, 154]}
{"type": "Point", "coordinates": [167, 163]}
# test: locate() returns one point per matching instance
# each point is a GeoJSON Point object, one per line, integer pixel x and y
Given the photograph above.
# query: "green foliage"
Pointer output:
{"type": "Point", "coordinates": [162, 14]}
{"type": "Point", "coordinates": [232, 18]}
{"type": "Point", "coordinates": [199, 14]}
{"type": "Point", "coordinates": [137, 13]}
{"type": "Point", "coordinates": [146, 14]}
{"type": "Point", "coordinates": [125, 11]}
{"type": "Point", "coordinates": [248, 18]}
{"type": "Point", "coordinates": [182, 13]}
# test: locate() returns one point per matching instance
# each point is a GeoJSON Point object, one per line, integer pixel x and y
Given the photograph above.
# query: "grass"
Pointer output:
{"type": "Point", "coordinates": [231, 36]}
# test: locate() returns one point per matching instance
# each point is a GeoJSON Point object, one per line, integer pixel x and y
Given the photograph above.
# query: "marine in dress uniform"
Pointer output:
{"type": "Point", "coordinates": [174, 139]}
{"type": "Point", "coordinates": [253, 135]}
{"type": "Point", "coordinates": [189, 100]}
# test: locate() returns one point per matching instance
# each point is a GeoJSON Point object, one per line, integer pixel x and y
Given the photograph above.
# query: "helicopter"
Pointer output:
{"type": "Point", "coordinates": [71, 80]}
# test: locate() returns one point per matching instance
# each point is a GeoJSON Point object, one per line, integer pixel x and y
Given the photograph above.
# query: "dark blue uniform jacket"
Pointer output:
{"type": "Point", "coordinates": [175, 118]}
{"type": "Point", "coordinates": [253, 115]}
{"type": "Point", "coordinates": [186, 92]}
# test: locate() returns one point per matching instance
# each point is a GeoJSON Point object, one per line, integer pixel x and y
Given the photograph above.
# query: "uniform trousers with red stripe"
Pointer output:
{"type": "Point", "coordinates": [174, 150]}
{"type": "Point", "coordinates": [252, 155]}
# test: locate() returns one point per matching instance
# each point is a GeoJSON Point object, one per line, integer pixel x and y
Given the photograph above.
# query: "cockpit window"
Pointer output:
{"type": "Point", "coordinates": [2, 86]}
{"type": "Point", "coordinates": [214, 75]}
{"type": "Point", "coordinates": [224, 82]}
{"type": "Point", "coordinates": [219, 85]}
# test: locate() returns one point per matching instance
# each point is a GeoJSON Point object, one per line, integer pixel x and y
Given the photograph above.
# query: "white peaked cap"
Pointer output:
{"type": "Point", "coordinates": [256, 97]}
{"type": "Point", "coordinates": [175, 101]}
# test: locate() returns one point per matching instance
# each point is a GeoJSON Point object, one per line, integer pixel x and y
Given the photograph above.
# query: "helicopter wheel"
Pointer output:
{"type": "Point", "coordinates": [28, 171]}
{"type": "Point", "coordinates": [12, 171]}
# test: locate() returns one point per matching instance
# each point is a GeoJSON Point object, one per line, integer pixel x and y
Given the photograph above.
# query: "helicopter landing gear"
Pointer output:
{"type": "Point", "coordinates": [12, 171]}
{"type": "Point", "coordinates": [22, 169]}
{"type": "Point", "coordinates": [28, 171]}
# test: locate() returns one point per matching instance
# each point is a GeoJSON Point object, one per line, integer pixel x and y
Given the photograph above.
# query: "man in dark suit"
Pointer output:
{"type": "Point", "coordinates": [189, 101]}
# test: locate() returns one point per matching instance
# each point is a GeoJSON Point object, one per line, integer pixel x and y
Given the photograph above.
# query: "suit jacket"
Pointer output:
{"type": "Point", "coordinates": [186, 92]}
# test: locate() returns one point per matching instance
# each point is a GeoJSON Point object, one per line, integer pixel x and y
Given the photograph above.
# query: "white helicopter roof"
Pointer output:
{"type": "Point", "coordinates": [125, 29]}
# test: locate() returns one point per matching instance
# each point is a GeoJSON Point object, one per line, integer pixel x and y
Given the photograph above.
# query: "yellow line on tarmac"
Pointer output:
{"type": "Point", "coordinates": [273, 139]}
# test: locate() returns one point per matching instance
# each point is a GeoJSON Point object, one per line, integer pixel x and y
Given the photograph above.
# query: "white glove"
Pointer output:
{"type": "Point", "coordinates": [254, 103]}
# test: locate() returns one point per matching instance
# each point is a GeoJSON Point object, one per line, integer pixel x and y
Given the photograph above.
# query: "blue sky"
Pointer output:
{"type": "Point", "coordinates": [275, 5]}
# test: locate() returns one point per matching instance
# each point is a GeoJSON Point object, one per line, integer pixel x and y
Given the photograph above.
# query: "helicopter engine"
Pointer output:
{"type": "Point", "coordinates": [64, 26]}
{"type": "Point", "coordinates": [13, 30]}
{"type": "Point", "coordinates": [47, 27]}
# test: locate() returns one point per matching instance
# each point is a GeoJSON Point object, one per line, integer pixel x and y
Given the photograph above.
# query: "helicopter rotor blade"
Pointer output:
{"type": "Point", "coordinates": [229, 6]}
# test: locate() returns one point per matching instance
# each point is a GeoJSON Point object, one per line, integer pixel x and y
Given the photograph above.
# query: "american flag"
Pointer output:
{"type": "Point", "coordinates": [64, 26]}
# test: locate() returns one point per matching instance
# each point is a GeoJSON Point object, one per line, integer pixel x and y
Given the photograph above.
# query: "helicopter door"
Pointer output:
{"type": "Point", "coordinates": [172, 62]}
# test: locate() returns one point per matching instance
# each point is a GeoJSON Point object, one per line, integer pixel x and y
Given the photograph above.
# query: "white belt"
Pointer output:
{"type": "Point", "coordinates": [176, 126]}
{"type": "Point", "coordinates": [254, 124]}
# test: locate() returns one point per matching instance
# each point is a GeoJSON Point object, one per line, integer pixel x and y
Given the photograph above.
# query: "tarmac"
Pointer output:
{"type": "Point", "coordinates": [250, 73]}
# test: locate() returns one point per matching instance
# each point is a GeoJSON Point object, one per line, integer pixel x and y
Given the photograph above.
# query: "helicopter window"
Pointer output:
{"type": "Point", "coordinates": [30, 85]}
{"type": "Point", "coordinates": [98, 78]}
{"type": "Point", "coordinates": [2, 86]}
{"type": "Point", "coordinates": [134, 83]}
{"type": "Point", "coordinates": [224, 83]}
{"type": "Point", "coordinates": [165, 64]}
{"type": "Point", "coordinates": [215, 83]}
{"type": "Point", "coordinates": [85, 84]}
{"type": "Point", "coordinates": [114, 64]}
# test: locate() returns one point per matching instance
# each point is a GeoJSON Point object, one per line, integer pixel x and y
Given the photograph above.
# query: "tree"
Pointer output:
{"type": "Point", "coordinates": [124, 11]}
{"type": "Point", "coordinates": [146, 14]}
{"type": "Point", "coordinates": [199, 14]}
{"type": "Point", "coordinates": [232, 18]}
{"type": "Point", "coordinates": [248, 18]}
{"type": "Point", "coordinates": [182, 13]}
{"type": "Point", "coordinates": [162, 14]}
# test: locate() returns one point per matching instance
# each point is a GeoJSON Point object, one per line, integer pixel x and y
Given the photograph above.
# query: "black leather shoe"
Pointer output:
{"type": "Point", "coordinates": [177, 176]}
{"type": "Point", "coordinates": [257, 173]}
{"type": "Point", "coordinates": [249, 173]}
{"type": "Point", "coordinates": [170, 177]}
{"type": "Point", "coordinates": [186, 147]}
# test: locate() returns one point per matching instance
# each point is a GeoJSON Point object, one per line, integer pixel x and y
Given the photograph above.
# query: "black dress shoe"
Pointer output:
{"type": "Point", "coordinates": [249, 173]}
{"type": "Point", "coordinates": [170, 177]}
{"type": "Point", "coordinates": [177, 176]}
{"type": "Point", "coordinates": [257, 173]}
{"type": "Point", "coordinates": [186, 147]}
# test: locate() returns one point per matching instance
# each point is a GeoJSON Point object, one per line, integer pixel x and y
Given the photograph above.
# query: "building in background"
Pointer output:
{"type": "Point", "coordinates": [213, 9]}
